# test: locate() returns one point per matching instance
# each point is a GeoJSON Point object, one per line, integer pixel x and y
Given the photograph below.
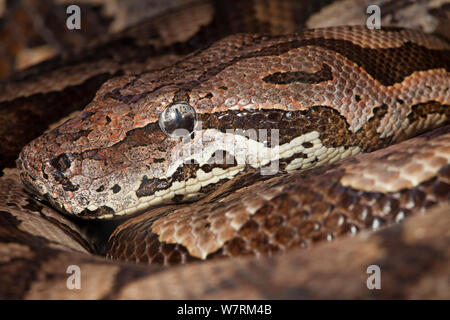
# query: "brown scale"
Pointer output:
{"type": "Point", "coordinates": [421, 110]}
{"type": "Point", "coordinates": [183, 173]}
{"type": "Point", "coordinates": [312, 207]}
{"type": "Point", "coordinates": [290, 124]}
{"type": "Point", "coordinates": [144, 247]}
{"type": "Point", "coordinates": [332, 127]}
{"type": "Point", "coordinates": [387, 65]}
{"type": "Point", "coordinates": [323, 74]}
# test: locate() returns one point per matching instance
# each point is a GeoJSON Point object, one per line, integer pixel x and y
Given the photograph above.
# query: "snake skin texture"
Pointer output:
{"type": "Point", "coordinates": [106, 189]}
{"type": "Point", "coordinates": [113, 159]}
{"type": "Point", "coordinates": [274, 215]}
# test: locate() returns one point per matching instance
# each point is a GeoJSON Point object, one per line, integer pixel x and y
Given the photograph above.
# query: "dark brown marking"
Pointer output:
{"type": "Point", "coordinates": [285, 162]}
{"type": "Point", "coordinates": [68, 186]}
{"type": "Point", "coordinates": [207, 96]}
{"type": "Point", "coordinates": [322, 75]}
{"type": "Point", "coordinates": [181, 96]}
{"type": "Point", "coordinates": [116, 188]}
{"type": "Point", "coordinates": [185, 172]}
{"type": "Point", "coordinates": [62, 162]}
{"type": "Point", "coordinates": [386, 65]}
{"type": "Point", "coordinates": [150, 186]}
{"type": "Point", "coordinates": [81, 133]}
{"type": "Point", "coordinates": [422, 110]}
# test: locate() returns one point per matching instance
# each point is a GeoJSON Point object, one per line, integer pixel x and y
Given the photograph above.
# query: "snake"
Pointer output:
{"type": "Point", "coordinates": [263, 162]}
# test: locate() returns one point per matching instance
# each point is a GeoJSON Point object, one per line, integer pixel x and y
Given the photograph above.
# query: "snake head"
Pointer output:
{"type": "Point", "coordinates": [110, 159]}
{"type": "Point", "coordinates": [123, 153]}
{"type": "Point", "coordinates": [119, 157]}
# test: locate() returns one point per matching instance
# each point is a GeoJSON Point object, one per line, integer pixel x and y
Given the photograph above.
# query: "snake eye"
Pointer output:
{"type": "Point", "coordinates": [178, 120]}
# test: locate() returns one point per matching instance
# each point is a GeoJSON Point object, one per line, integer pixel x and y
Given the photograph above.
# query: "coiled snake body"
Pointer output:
{"type": "Point", "coordinates": [328, 93]}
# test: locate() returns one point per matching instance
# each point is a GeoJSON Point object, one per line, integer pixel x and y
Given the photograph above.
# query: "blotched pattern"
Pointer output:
{"type": "Point", "coordinates": [36, 243]}
{"type": "Point", "coordinates": [115, 144]}
{"type": "Point", "coordinates": [297, 209]}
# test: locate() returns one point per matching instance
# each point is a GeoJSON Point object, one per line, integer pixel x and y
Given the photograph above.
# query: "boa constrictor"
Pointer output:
{"type": "Point", "coordinates": [330, 93]}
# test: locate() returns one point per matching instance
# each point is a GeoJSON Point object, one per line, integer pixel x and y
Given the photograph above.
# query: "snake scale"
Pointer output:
{"type": "Point", "coordinates": [117, 179]}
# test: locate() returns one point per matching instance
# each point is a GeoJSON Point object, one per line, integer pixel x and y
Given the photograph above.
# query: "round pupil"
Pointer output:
{"type": "Point", "coordinates": [178, 120]}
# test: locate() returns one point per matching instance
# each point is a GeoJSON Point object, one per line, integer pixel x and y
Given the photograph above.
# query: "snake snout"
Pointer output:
{"type": "Point", "coordinates": [46, 176]}
{"type": "Point", "coordinates": [27, 179]}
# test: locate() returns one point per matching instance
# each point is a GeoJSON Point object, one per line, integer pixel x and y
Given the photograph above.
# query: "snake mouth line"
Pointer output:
{"type": "Point", "coordinates": [302, 152]}
{"type": "Point", "coordinates": [183, 182]}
